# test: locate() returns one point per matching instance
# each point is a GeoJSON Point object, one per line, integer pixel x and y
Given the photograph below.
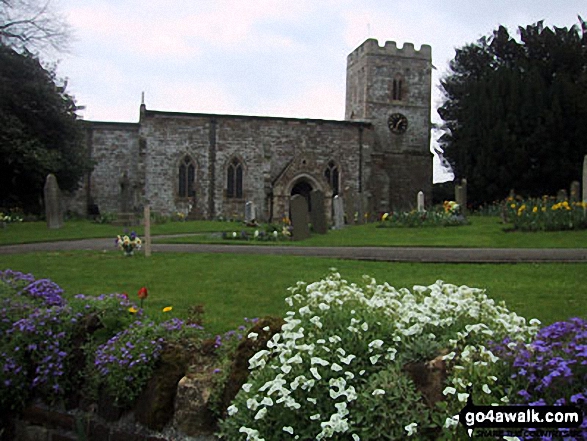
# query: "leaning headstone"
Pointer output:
{"type": "Point", "coordinates": [561, 195]}
{"type": "Point", "coordinates": [585, 178]}
{"type": "Point", "coordinates": [575, 191]}
{"type": "Point", "coordinates": [338, 212]}
{"type": "Point", "coordinates": [299, 217]}
{"type": "Point", "coordinates": [318, 214]}
{"type": "Point", "coordinates": [53, 211]}
{"type": "Point", "coordinates": [349, 205]}
{"type": "Point", "coordinates": [250, 212]}
{"type": "Point", "coordinates": [421, 202]}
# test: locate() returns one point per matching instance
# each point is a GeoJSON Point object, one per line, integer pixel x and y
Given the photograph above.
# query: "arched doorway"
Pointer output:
{"type": "Point", "coordinates": [303, 188]}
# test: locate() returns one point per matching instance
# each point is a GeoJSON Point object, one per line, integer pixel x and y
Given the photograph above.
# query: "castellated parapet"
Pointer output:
{"type": "Point", "coordinates": [372, 47]}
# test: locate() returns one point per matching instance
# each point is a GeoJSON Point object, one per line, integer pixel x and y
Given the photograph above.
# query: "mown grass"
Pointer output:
{"type": "Point", "coordinates": [29, 232]}
{"type": "Point", "coordinates": [482, 232]}
{"type": "Point", "coordinates": [232, 287]}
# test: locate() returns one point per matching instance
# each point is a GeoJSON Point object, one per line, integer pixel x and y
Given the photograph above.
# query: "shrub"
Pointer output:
{"type": "Point", "coordinates": [343, 351]}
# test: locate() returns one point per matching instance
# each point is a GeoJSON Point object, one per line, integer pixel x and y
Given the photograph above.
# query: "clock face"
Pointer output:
{"type": "Point", "coordinates": [397, 123]}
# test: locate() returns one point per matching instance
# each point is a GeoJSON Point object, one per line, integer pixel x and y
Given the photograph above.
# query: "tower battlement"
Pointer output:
{"type": "Point", "coordinates": [371, 47]}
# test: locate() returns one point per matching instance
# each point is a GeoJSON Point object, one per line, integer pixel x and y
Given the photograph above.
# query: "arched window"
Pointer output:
{"type": "Point", "coordinates": [397, 92]}
{"type": "Point", "coordinates": [234, 179]}
{"type": "Point", "coordinates": [187, 178]}
{"type": "Point", "coordinates": [332, 177]}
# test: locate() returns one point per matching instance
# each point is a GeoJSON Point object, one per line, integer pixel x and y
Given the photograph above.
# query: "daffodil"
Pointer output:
{"type": "Point", "coordinates": [167, 308]}
{"type": "Point", "coordinates": [133, 310]}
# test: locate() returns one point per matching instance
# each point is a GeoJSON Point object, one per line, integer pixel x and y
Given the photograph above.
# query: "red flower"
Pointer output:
{"type": "Point", "coordinates": [143, 293]}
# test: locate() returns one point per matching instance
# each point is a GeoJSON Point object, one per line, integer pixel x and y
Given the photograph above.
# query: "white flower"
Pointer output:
{"type": "Point", "coordinates": [232, 410]}
{"type": "Point", "coordinates": [318, 360]}
{"type": "Point", "coordinates": [315, 373]}
{"type": "Point", "coordinates": [253, 336]}
{"type": "Point", "coordinates": [252, 404]}
{"type": "Point", "coordinates": [288, 429]}
{"type": "Point", "coordinates": [378, 392]}
{"type": "Point", "coordinates": [315, 417]}
{"type": "Point", "coordinates": [374, 358]}
{"type": "Point", "coordinates": [449, 390]}
{"type": "Point", "coordinates": [305, 310]}
{"type": "Point", "coordinates": [266, 328]}
{"type": "Point", "coordinates": [462, 397]}
{"type": "Point", "coordinates": [347, 359]}
{"type": "Point", "coordinates": [376, 344]}
{"type": "Point", "coordinates": [267, 401]}
{"type": "Point", "coordinates": [356, 437]}
{"type": "Point", "coordinates": [365, 326]}
{"type": "Point", "coordinates": [336, 367]}
{"type": "Point", "coordinates": [247, 387]}
{"type": "Point", "coordinates": [411, 428]}
{"type": "Point", "coordinates": [262, 412]}
{"type": "Point", "coordinates": [486, 389]}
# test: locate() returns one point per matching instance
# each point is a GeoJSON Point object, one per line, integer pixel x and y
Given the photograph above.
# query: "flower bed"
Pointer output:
{"type": "Point", "coordinates": [347, 362]}
{"type": "Point", "coordinates": [351, 361]}
{"type": "Point", "coordinates": [449, 215]}
{"type": "Point", "coordinates": [545, 214]}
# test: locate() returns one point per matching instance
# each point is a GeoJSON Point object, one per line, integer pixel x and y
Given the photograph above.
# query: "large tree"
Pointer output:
{"type": "Point", "coordinates": [515, 111]}
{"type": "Point", "coordinates": [32, 25]}
{"type": "Point", "coordinates": [39, 131]}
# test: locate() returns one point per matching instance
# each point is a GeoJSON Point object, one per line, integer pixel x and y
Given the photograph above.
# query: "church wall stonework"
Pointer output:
{"type": "Point", "coordinates": [138, 164]}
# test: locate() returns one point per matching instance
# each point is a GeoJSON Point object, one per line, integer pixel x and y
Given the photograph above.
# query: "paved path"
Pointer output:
{"type": "Point", "coordinates": [389, 254]}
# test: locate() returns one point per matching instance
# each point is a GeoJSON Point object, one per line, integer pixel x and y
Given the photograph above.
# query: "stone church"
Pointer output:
{"type": "Point", "coordinates": [208, 166]}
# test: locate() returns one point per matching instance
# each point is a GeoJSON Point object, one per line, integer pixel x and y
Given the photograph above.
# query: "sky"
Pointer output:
{"type": "Point", "coordinates": [263, 57]}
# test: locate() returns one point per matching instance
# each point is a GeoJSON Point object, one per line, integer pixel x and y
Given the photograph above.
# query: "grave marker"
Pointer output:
{"type": "Point", "coordinates": [421, 202]}
{"type": "Point", "coordinates": [575, 192]}
{"type": "Point", "coordinates": [299, 217]}
{"type": "Point", "coordinates": [318, 213]}
{"type": "Point", "coordinates": [338, 212]}
{"type": "Point", "coordinates": [250, 212]}
{"type": "Point", "coordinates": [53, 211]}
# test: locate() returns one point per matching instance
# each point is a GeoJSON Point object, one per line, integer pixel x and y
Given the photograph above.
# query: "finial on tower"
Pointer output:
{"type": "Point", "coordinates": [143, 98]}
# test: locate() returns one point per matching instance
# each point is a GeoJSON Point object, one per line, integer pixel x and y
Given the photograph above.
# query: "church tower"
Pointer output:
{"type": "Point", "coordinates": [391, 88]}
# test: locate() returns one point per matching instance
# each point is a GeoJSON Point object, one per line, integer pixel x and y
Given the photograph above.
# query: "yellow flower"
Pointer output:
{"type": "Point", "coordinates": [535, 210]}
{"type": "Point", "coordinates": [385, 216]}
{"type": "Point", "coordinates": [133, 310]}
{"type": "Point", "coordinates": [513, 205]}
{"type": "Point", "coordinates": [167, 308]}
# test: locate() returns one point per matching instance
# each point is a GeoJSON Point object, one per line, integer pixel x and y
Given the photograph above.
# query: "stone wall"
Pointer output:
{"type": "Point", "coordinates": [265, 146]}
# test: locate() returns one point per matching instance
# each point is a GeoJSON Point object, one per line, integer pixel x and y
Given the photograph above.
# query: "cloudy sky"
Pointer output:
{"type": "Point", "coordinates": [262, 57]}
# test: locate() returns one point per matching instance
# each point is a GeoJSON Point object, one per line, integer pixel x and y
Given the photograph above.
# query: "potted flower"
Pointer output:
{"type": "Point", "coordinates": [129, 243]}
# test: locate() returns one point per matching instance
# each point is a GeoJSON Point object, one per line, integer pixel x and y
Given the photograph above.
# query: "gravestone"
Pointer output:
{"type": "Point", "coordinates": [421, 202]}
{"type": "Point", "coordinates": [338, 212]}
{"type": "Point", "coordinates": [461, 196]}
{"type": "Point", "coordinates": [350, 205]}
{"type": "Point", "coordinates": [318, 213]}
{"type": "Point", "coordinates": [575, 192]}
{"type": "Point", "coordinates": [585, 178]}
{"type": "Point", "coordinates": [53, 211]}
{"type": "Point", "coordinates": [561, 195]}
{"type": "Point", "coordinates": [250, 212]}
{"type": "Point", "coordinates": [299, 217]}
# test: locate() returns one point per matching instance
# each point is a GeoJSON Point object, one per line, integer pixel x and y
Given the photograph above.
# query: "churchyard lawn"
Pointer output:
{"type": "Point", "coordinates": [482, 231]}
{"type": "Point", "coordinates": [232, 287]}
